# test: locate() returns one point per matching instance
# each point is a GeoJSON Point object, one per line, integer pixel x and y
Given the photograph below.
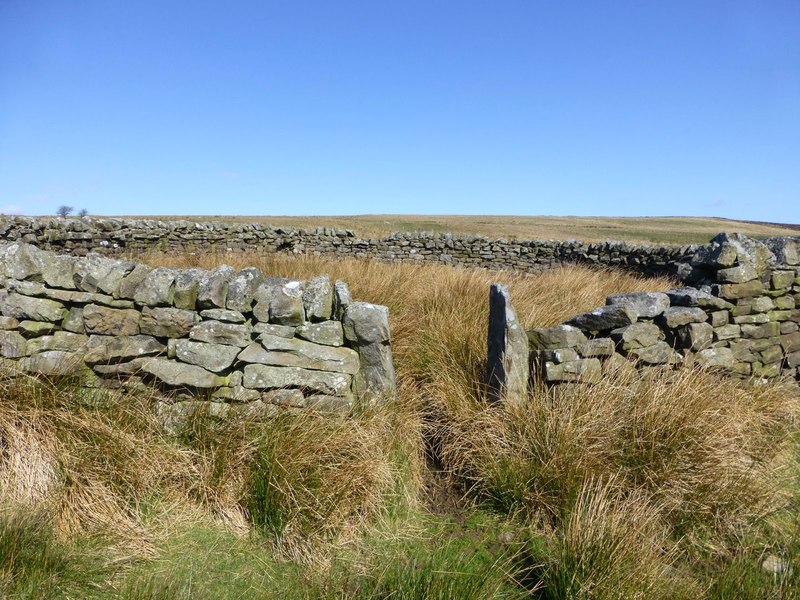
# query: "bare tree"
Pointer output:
{"type": "Point", "coordinates": [83, 212]}
{"type": "Point", "coordinates": [64, 211]}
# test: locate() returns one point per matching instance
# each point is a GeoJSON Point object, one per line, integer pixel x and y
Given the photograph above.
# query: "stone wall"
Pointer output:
{"type": "Point", "coordinates": [739, 311]}
{"type": "Point", "coordinates": [241, 341]}
{"type": "Point", "coordinates": [120, 236]}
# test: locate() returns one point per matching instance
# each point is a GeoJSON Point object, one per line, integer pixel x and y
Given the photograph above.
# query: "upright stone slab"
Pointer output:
{"type": "Point", "coordinates": [507, 363]}
{"type": "Point", "coordinates": [366, 327]}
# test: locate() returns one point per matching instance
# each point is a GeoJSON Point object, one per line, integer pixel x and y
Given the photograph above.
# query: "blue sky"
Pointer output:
{"type": "Point", "coordinates": [469, 107]}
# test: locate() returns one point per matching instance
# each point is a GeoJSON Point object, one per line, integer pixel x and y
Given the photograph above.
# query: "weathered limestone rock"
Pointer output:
{"type": "Point", "coordinates": [507, 362]}
{"type": "Point", "coordinates": [8, 323]}
{"type": "Point", "coordinates": [35, 328]}
{"type": "Point", "coordinates": [111, 321]}
{"type": "Point", "coordinates": [73, 321]}
{"type": "Point", "coordinates": [279, 351]}
{"type": "Point", "coordinates": [23, 262]}
{"type": "Point", "coordinates": [270, 329]}
{"type": "Point", "coordinates": [719, 318]}
{"type": "Point", "coordinates": [604, 318]}
{"type": "Point", "coordinates": [341, 299]}
{"type": "Point", "coordinates": [587, 370]}
{"type": "Point", "coordinates": [790, 342]}
{"type": "Point", "coordinates": [181, 375]}
{"type": "Point", "coordinates": [560, 336]}
{"type": "Point", "coordinates": [645, 305]}
{"type": "Point", "coordinates": [659, 353]}
{"type": "Point", "coordinates": [677, 316]}
{"type": "Point", "coordinates": [637, 335]}
{"type": "Point", "coordinates": [318, 299]}
{"type": "Point", "coordinates": [765, 330]}
{"type": "Point", "coordinates": [727, 332]}
{"type": "Point", "coordinates": [734, 291]}
{"type": "Point", "coordinates": [167, 321]}
{"type": "Point", "coordinates": [786, 250]}
{"type": "Point", "coordinates": [104, 348]}
{"type": "Point", "coordinates": [738, 274]}
{"type": "Point", "coordinates": [286, 305]}
{"type": "Point", "coordinates": [715, 357]}
{"type": "Point", "coordinates": [60, 340]}
{"type": "Point", "coordinates": [59, 272]}
{"type": "Point", "coordinates": [33, 309]}
{"type": "Point", "coordinates": [696, 336]}
{"type": "Point", "coordinates": [217, 332]}
{"type": "Point", "coordinates": [12, 344]}
{"type": "Point", "coordinates": [157, 288]}
{"type": "Point", "coordinates": [366, 327]}
{"type": "Point", "coordinates": [266, 377]}
{"type": "Point", "coordinates": [242, 289]}
{"type": "Point", "coordinates": [131, 282]}
{"type": "Point", "coordinates": [693, 297]}
{"type": "Point", "coordinates": [328, 333]}
{"type": "Point", "coordinates": [212, 357]}
{"type": "Point", "coordinates": [212, 291]}
{"type": "Point", "coordinates": [221, 314]}
{"type": "Point", "coordinates": [596, 347]}
{"type": "Point", "coordinates": [187, 283]}
{"type": "Point", "coordinates": [52, 363]}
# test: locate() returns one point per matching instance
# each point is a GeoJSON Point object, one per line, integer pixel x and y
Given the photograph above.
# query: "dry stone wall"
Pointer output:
{"type": "Point", "coordinates": [240, 341]}
{"type": "Point", "coordinates": [739, 311]}
{"type": "Point", "coordinates": [122, 236]}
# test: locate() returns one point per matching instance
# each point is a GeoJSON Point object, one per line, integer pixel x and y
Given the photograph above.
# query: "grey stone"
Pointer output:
{"type": "Point", "coordinates": [111, 321]}
{"type": "Point", "coordinates": [52, 363]}
{"type": "Point", "coordinates": [560, 336]}
{"type": "Point", "coordinates": [212, 291]}
{"type": "Point", "coordinates": [318, 298]}
{"type": "Point", "coordinates": [587, 370]}
{"type": "Point", "coordinates": [120, 370]}
{"type": "Point", "coordinates": [715, 357]}
{"type": "Point", "coordinates": [729, 249]}
{"type": "Point", "coordinates": [677, 316]}
{"type": "Point", "coordinates": [267, 377]}
{"type": "Point", "coordinates": [217, 332]}
{"type": "Point", "coordinates": [696, 336]}
{"type": "Point", "coordinates": [167, 321]}
{"type": "Point", "coordinates": [131, 282]}
{"type": "Point", "coordinates": [719, 318]}
{"type": "Point", "coordinates": [341, 298]}
{"type": "Point", "coordinates": [95, 273]}
{"type": "Point", "coordinates": [286, 305]}
{"type": "Point", "coordinates": [782, 279]}
{"type": "Point", "coordinates": [60, 340]}
{"type": "Point", "coordinates": [596, 347]}
{"type": "Point", "coordinates": [659, 353]}
{"type": "Point", "coordinates": [59, 271]}
{"type": "Point", "coordinates": [285, 352]}
{"type": "Point", "coordinates": [727, 332]}
{"type": "Point", "coordinates": [765, 330]}
{"type": "Point", "coordinates": [637, 335]}
{"type": "Point", "coordinates": [213, 357]}
{"type": "Point", "coordinates": [157, 289]}
{"type": "Point", "coordinates": [270, 329]}
{"type": "Point", "coordinates": [261, 299]}
{"type": "Point", "coordinates": [786, 250]}
{"type": "Point", "coordinates": [737, 274]}
{"type": "Point", "coordinates": [604, 318]}
{"type": "Point", "coordinates": [178, 374]}
{"type": "Point", "coordinates": [790, 342]}
{"type": "Point", "coordinates": [328, 333]}
{"type": "Point", "coordinates": [187, 283]}
{"type": "Point", "coordinates": [34, 309]}
{"type": "Point", "coordinates": [242, 289]}
{"type": "Point", "coordinates": [557, 356]}
{"type": "Point", "coordinates": [36, 328]}
{"type": "Point", "coordinates": [688, 296]}
{"type": "Point", "coordinates": [12, 344]}
{"type": "Point", "coordinates": [366, 327]}
{"type": "Point", "coordinates": [235, 394]}
{"type": "Point", "coordinates": [23, 261]}
{"type": "Point", "coordinates": [646, 305]}
{"type": "Point", "coordinates": [221, 314]}
{"type": "Point", "coordinates": [735, 291]}
{"type": "Point", "coordinates": [8, 323]}
{"type": "Point", "coordinates": [105, 348]}
{"type": "Point", "coordinates": [73, 321]}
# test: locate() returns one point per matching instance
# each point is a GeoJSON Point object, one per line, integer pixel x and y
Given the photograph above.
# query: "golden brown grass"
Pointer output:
{"type": "Point", "coordinates": [656, 230]}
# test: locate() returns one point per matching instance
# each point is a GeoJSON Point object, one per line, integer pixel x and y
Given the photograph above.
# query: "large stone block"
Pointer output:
{"type": "Point", "coordinates": [212, 290]}
{"type": "Point", "coordinates": [645, 305]}
{"type": "Point", "coordinates": [678, 316]}
{"type": "Point", "coordinates": [605, 318]}
{"type": "Point", "coordinates": [216, 332]}
{"type": "Point", "coordinates": [328, 333]}
{"type": "Point", "coordinates": [157, 288]}
{"type": "Point", "coordinates": [507, 362]}
{"type": "Point", "coordinates": [560, 336]}
{"type": "Point", "coordinates": [181, 375]}
{"type": "Point", "coordinates": [213, 357]}
{"type": "Point", "coordinates": [34, 309]}
{"type": "Point", "coordinates": [286, 304]}
{"type": "Point", "coordinates": [242, 289]}
{"type": "Point", "coordinates": [318, 298]}
{"type": "Point", "coordinates": [167, 321]}
{"type": "Point", "coordinates": [105, 348]}
{"type": "Point", "coordinates": [102, 320]}
{"type": "Point", "coordinates": [366, 327]}
{"type": "Point", "coordinates": [266, 377]}
{"type": "Point", "coordinates": [637, 335]}
{"type": "Point", "coordinates": [279, 351]}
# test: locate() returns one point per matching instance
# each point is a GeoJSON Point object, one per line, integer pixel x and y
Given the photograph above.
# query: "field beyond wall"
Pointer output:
{"type": "Point", "coordinates": [652, 230]}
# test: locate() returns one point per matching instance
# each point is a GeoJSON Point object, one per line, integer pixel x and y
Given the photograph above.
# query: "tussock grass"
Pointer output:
{"type": "Point", "coordinates": [672, 485]}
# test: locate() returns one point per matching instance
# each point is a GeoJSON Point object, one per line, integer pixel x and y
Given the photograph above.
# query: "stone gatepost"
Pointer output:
{"type": "Point", "coordinates": [507, 362]}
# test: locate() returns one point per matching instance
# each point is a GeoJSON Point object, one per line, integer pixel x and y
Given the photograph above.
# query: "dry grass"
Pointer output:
{"type": "Point", "coordinates": [657, 230]}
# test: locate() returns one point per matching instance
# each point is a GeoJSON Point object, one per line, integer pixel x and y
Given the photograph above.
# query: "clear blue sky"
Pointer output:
{"type": "Point", "coordinates": [438, 107]}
